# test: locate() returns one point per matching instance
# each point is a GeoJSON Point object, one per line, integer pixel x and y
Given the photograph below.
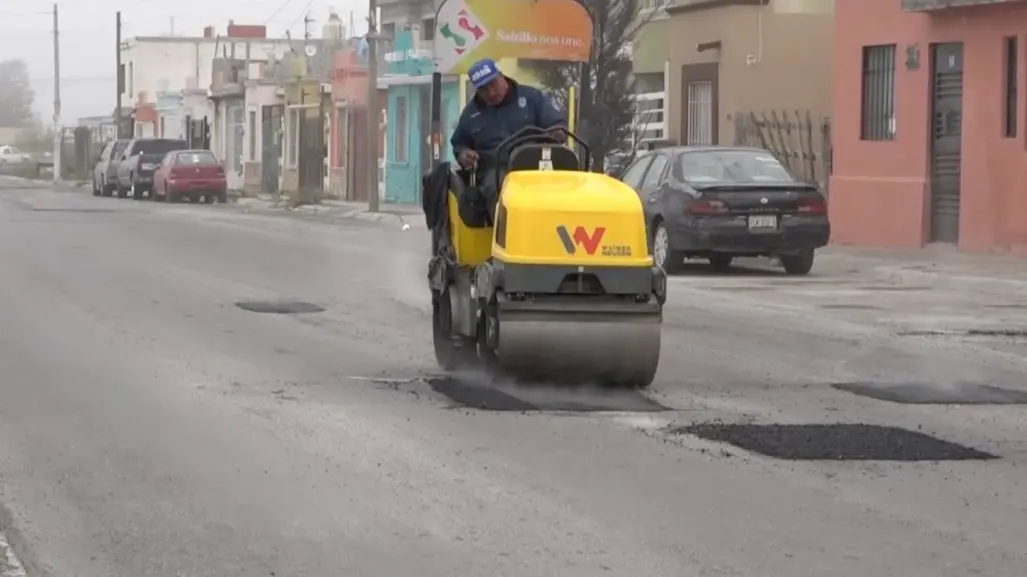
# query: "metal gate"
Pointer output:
{"type": "Point", "coordinates": [358, 181]}
{"type": "Point", "coordinates": [312, 153]}
{"type": "Point", "coordinates": [424, 135]}
{"type": "Point", "coordinates": [197, 132]}
{"type": "Point", "coordinates": [271, 147]}
{"type": "Point", "coordinates": [946, 140]}
{"type": "Point", "coordinates": [236, 136]}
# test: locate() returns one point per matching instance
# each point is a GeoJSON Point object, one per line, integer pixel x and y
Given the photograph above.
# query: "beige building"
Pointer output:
{"type": "Point", "coordinates": [726, 59]}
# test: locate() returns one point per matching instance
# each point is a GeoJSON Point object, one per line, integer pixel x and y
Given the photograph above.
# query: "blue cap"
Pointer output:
{"type": "Point", "coordinates": [482, 72]}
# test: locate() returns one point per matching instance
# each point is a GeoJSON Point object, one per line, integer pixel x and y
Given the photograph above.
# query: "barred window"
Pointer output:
{"type": "Point", "coordinates": [1010, 103]}
{"type": "Point", "coordinates": [878, 97]}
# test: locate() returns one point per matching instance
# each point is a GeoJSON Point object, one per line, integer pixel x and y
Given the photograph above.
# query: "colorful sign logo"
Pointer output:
{"type": "Point", "coordinates": [469, 30]}
{"type": "Point", "coordinates": [581, 237]}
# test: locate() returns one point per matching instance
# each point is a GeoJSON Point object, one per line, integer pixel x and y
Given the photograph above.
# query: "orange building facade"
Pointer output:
{"type": "Point", "coordinates": [930, 124]}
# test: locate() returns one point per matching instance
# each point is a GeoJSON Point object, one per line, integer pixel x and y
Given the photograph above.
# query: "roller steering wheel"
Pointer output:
{"type": "Point", "coordinates": [535, 134]}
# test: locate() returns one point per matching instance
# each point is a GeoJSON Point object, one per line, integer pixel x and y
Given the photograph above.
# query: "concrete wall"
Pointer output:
{"type": "Point", "coordinates": [769, 59]}
{"type": "Point", "coordinates": [880, 190]}
{"type": "Point", "coordinates": [173, 63]}
{"type": "Point", "coordinates": [403, 173]}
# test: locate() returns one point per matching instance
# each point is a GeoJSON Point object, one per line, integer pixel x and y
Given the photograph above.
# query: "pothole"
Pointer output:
{"type": "Point", "coordinates": [280, 307]}
{"type": "Point", "coordinates": [835, 442]}
{"type": "Point", "coordinates": [895, 289]}
{"type": "Point", "coordinates": [486, 395]}
{"type": "Point", "coordinates": [936, 393]}
{"type": "Point", "coordinates": [84, 210]}
{"type": "Point", "coordinates": [1008, 333]}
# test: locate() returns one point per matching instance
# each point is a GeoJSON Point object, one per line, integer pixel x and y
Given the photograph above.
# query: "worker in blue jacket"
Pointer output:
{"type": "Point", "coordinates": [500, 107]}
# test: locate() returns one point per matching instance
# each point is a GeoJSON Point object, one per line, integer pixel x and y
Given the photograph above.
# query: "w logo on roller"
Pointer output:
{"type": "Point", "coordinates": [581, 237]}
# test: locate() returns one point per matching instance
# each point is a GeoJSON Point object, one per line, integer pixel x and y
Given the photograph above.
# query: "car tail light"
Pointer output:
{"type": "Point", "coordinates": [703, 206]}
{"type": "Point", "coordinates": [175, 172]}
{"type": "Point", "coordinates": [221, 170]}
{"type": "Point", "coordinates": [813, 206]}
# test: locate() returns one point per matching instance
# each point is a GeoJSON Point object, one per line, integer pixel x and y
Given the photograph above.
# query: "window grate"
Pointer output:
{"type": "Point", "coordinates": [1011, 101]}
{"type": "Point", "coordinates": [878, 95]}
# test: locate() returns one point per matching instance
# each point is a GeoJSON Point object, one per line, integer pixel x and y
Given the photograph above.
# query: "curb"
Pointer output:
{"type": "Point", "coordinates": [335, 211]}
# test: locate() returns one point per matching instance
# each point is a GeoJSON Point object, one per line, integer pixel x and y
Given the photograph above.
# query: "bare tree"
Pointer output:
{"type": "Point", "coordinates": [16, 94]}
{"type": "Point", "coordinates": [606, 94]}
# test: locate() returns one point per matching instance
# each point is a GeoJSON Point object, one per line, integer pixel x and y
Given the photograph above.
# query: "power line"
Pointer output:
{"type": "Point", "coordinates": [278, 11]}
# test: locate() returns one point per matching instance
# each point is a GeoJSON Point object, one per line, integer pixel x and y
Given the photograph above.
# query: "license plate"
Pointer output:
{"type": "Point", "coordinates": [763, 222]}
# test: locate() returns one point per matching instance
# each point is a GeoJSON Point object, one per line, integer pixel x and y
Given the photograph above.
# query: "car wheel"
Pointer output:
{"type": "Point", "coordinates": [664, 255]}
{"type": "Point", "coordinates": [122, 191]}
{"type": "Point", "coordinates": [208, 198]}
{"type": "Point", "coordinates": [798, 264]}
{"type": "Point", "coordinates": [223, 198]}
{"type": "Point", "coordinates": [137, 191]}
{"type": "Point", "coordinates": [96, 188]}
{"type": "Point", "coordinates": [721, 262]}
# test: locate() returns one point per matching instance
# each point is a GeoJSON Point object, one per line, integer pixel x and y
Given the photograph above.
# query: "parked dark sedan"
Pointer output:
{"type": "Point", "coordinates": [719, 203]}
{"type": "Point", "coordinates": [140, 160]}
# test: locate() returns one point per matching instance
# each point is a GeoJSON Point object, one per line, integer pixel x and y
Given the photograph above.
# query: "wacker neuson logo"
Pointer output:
{"type": "Point", "coordinates": [529, 38]}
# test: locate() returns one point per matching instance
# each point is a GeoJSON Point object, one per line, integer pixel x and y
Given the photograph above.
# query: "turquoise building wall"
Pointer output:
{"type": "Point", "coordinates": [410, 97]}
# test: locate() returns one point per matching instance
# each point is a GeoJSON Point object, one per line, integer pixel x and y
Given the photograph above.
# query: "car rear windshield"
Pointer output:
{"type": "Point", "coordinates": [158, 146]}
{"type": "Point", "coordinates": [743, 166]}
{"type": "Point", "coordinates": [202, 158]}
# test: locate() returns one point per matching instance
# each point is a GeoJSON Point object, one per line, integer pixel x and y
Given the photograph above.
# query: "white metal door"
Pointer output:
{"type": "Point", "coordinates": [700, 113]}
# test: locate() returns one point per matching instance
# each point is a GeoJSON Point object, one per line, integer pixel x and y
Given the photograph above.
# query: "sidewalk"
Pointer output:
{"type": "Point", "coordinates": [935, 266]}
{"type": "Point", "coordinates": [409, 215]}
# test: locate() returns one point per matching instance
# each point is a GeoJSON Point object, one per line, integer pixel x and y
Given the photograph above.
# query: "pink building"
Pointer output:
{"type": "Point", "coordinates": [930, 138]}
{"type": "Point", "coordinates": [349, 126]}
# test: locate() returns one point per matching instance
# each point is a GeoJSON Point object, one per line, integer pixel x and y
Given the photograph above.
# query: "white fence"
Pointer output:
{"type": "Point", "coordinates": [650, 116]}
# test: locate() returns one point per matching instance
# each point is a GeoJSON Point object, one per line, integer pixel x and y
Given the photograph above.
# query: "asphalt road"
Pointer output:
{"type": "Point", "coordinates": [149, 427]}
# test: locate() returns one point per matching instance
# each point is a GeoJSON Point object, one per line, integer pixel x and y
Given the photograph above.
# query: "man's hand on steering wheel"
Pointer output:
{"type": "Point", "coordinates": [468, 158]}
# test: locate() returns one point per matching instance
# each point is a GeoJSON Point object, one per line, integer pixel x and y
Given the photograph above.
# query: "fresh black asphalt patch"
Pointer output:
{"type": "Point", "coordinates": [280, 307]}
{"type": "Point", "coordinates": [834, 442]}
{"type": "Point", "coordinates": [936, 394]}
{"type": "Point", "coordinates": [1007, 333]}
{"type": "Point", "coordinates": [481, 394]}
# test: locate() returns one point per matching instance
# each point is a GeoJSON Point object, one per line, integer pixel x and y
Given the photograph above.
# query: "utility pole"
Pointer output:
{"type": "Point", "coordinates": [57, 130]}
{"type": "Point", "coordinates": [307, 20]}
{"type": "Point", "coordinates": [121, 79]}
{"type": "Point", "coordinates": [373, 113]}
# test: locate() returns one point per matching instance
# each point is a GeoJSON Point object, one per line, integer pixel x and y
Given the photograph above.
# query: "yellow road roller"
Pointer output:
{"type": "Point", "coordinates": [557, 285]}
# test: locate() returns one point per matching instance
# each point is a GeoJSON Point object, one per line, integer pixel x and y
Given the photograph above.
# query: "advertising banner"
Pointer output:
{"type": "Point", "coordinates": [468, 30]}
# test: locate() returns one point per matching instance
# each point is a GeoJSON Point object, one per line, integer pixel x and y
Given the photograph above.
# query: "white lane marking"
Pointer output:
{"type": "Point", "coordinates": [9, 564]}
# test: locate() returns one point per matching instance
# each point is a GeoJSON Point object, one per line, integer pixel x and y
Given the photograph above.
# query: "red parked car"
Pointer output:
{"type": "Point", "coordinates": [190, 174]}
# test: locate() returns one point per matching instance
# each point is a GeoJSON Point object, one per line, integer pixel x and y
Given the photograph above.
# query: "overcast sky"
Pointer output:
{"type": "Point", "coordinates": [88, 37]}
